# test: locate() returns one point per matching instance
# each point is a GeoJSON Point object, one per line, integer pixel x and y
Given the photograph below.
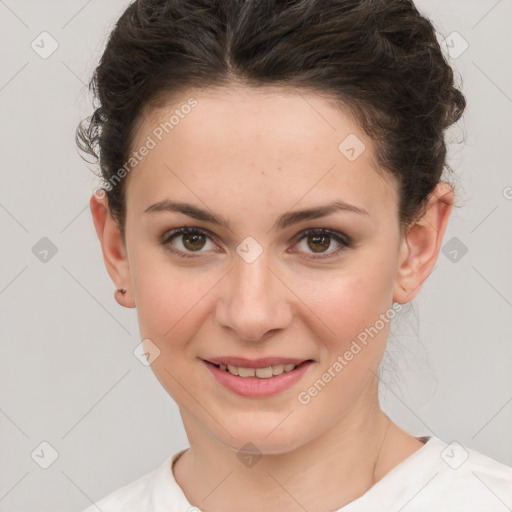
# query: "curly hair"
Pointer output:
{"type": "Point", "coordinates": [378, 58]}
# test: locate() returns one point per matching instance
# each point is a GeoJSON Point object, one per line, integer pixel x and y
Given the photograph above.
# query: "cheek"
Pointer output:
{"type": "Point", "coordinates": [358, 308]}
{"type": "Point", "coordinates": [168, 297]}
{"type": "Point", "coordinates": [349, 302]}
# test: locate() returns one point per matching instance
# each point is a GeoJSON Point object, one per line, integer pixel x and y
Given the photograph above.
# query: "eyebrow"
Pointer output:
{"type": "Point", "coordinates": [284, 221]}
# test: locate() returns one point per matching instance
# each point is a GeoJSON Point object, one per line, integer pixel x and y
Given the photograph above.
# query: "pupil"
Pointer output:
{"type": "Point", "coordinates": [193, 239]}
{"type": "Point", "coordinates": [317, 240]}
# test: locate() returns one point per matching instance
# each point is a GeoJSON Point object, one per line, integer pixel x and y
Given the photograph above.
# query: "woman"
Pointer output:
{"type": "Point", "coordinates": [272, 197]}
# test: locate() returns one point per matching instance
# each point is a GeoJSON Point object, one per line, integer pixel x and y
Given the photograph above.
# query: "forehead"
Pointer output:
{"type": "Point", "coordinates": [277, 143]}
{"type": "Point", "coordinates": [267, 114]}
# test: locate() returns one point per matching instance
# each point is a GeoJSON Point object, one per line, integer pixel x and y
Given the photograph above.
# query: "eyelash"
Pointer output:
{"type": "Point", "coordinates": [344, 241]}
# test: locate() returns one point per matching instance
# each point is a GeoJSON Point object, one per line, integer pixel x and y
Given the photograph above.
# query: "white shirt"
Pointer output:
{"type": "Point", "coordinates": [439, 477]}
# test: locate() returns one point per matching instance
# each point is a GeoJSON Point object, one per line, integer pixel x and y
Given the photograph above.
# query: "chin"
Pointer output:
{"type": "Point", "coordinates": [259, 439]}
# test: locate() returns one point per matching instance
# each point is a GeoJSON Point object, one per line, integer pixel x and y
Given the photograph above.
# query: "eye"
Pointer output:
{"type": "Point", "coordinates": [191, 240]}
{"type": "Point", "coordinates": [319, 240]}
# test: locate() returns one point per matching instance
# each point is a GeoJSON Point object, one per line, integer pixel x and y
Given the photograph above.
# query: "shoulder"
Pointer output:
{"type": "Point", "coordinates": [140, 493]}
{"type": "Point", "coordinates": [457, 476]}
{"type": "Point", "coordinates": [478, 475]}
{"type": "Point", "coordinates": [441, 476]}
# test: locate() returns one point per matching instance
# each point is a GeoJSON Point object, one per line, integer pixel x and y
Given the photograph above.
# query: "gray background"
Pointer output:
{"type": "Point", "coordinates": [68, 375]}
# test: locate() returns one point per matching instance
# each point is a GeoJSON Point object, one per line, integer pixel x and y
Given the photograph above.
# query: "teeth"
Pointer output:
{"type": "Point", "coordinates": [277, 369]}
{"type": "Point", "coordinates": [246, 372]}
{"type": "Point", "coordinates": [262, 373]}
{"type": "Point", "coordinates": [233, 369]}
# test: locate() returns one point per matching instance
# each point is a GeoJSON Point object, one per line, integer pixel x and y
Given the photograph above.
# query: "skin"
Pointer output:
{"type": "Point", "coordinates": [251, 155]}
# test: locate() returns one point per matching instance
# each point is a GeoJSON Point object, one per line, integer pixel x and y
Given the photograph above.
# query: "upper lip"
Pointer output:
{"type": "Point", "coordinates": [263, 362]}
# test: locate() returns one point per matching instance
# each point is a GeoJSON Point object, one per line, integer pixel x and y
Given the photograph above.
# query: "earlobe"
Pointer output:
{"type": "Point", "coordinates": [122, 300]}
{"type": "Point", "coordinates": [113, 249]}
{"type": "Point", "coordinates": [421, 244]}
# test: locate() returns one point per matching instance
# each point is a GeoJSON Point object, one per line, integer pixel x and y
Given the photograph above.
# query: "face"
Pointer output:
{"type": "Point", "coordinates": [298, 288]}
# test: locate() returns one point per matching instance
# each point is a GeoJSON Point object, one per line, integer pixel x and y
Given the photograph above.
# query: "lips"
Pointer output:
{"type": "Point", "coordinates": [260, 368]}
{"type": "Point", "coordinates": [263, 362]}
{"type": "Point", "coordinates": [257, 378]}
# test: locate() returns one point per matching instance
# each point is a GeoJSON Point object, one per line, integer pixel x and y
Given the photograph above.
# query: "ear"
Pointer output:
{"type": "Point", "coordinates": [420, 246]}
{"type": "Point", "coordinates": [113, 248]}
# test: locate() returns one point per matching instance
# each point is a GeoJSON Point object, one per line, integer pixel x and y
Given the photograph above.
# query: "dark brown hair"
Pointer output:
{"type": "Point", "coordinates": [379, 58]}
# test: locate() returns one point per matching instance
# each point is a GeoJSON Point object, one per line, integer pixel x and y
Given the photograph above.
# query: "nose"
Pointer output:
{"type": "Point", "coordinates": [254, 300]}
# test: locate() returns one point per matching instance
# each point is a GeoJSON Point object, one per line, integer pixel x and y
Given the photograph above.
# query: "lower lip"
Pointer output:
{"type": "Point", "coordinates": [254, 387]}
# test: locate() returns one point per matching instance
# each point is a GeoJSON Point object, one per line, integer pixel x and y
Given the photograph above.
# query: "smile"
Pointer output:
{"type": "Point", "coordinates": [253, 380]}
{"type": "Point", "coordinates": [261, 373]}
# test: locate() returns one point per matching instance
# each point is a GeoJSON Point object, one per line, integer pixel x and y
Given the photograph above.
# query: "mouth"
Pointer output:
{"type": "Point", "coordinates": [261, 368]}
{"type": "Point", "coordinates": [261, 378]}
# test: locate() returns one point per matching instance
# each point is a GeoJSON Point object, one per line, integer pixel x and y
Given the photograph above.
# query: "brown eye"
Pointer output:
{"type": "Point", "coordinates": [192, 240]}
{"type": "Point", "coordinates": [318, 243]}
{"type": "Point", "coordinates": [319, 240]}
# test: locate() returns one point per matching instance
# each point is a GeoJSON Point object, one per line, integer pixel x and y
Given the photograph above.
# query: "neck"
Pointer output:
{"type": "Point", "coordinates": [344, 462]}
